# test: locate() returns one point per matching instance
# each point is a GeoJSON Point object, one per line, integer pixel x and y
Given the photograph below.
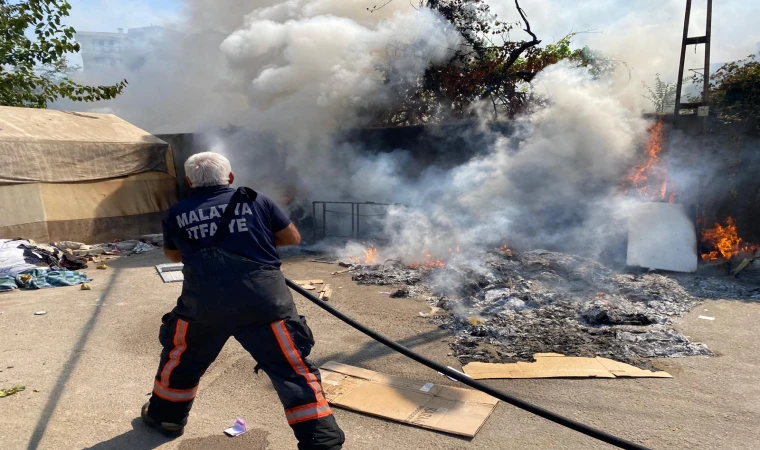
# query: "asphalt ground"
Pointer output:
{"type": "Point", "coordinates": [88, 366]}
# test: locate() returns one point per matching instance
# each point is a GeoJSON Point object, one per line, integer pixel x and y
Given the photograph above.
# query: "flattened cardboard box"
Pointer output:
{"type": "Point", "coordinates": [427, 405]}
{"type": "Point", "coordinates": [554, 365]}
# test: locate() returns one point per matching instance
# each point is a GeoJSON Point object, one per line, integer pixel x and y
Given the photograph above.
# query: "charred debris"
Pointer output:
{"type": "Point", "coordinates": [512, 305]}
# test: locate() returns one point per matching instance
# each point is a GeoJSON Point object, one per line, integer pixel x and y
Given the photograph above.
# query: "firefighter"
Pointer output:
{"type": "Point", "coordinates": [233, 287]}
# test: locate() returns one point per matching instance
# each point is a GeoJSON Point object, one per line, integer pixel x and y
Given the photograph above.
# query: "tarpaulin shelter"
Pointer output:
{"type": "Point", "coordinates": [80, 176]}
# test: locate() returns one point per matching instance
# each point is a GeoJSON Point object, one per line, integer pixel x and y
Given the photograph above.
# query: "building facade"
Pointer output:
{"type": "Point", "coordinates": [124, 50]}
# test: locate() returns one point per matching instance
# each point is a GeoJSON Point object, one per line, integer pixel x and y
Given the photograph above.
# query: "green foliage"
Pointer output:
{"type": "Point", "coordinates": [35, 71]}
{"type": "Point", "coordinates": [489, 69]}
{"type": "Point", "coordinates": [735, 91]}
{"type": "Point", "coordinates": [662, 94]}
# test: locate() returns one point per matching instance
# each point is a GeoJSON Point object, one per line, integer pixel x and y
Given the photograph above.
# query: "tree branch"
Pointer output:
{"type": "Point", "coordinates": [527, 24]}
{"type": "Point", "coordinates": [515, 54]}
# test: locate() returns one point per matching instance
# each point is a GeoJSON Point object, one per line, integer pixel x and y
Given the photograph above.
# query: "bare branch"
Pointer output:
{"type": "Point", "coordinates": [515, 54]}
{"type": "Point", "coordinates": [527, 24]}
{"type": "Point", "coordinates": [375, 8]}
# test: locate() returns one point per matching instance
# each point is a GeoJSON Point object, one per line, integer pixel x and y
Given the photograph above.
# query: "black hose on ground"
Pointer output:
{"type": "Point", "coordinates": [556, 418]}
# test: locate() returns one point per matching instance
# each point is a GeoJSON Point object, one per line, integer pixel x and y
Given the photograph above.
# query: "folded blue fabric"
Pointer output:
{"type": "Point", "coordinates": [7, 283]}
{"type": "Point", "coordinates": [44, 278]}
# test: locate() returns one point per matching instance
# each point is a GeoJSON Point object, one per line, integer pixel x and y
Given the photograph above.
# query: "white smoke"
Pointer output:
{"type": "Point", "coordinates": [555, 183]}
{"type": "Point", "coordinates": [293, 73]}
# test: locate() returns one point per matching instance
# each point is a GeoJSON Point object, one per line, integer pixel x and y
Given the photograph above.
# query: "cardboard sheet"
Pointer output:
{"type": "Point", "coordinates": [426, 405]}
{"type": "Point", "coordinates": [554, 365]}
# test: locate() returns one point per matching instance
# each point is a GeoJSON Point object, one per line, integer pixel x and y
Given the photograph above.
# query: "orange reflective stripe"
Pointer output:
{"type": "Point", "coordinates": [294, 359]}
{"type": "Point", "coordinates": [308, 414]}
{"type": "Point", "coordinates": [180, 345]}
{"type": "Point", "coordinates": [174, 395]}
{"type": "Point", "coordinates": [303, 407]}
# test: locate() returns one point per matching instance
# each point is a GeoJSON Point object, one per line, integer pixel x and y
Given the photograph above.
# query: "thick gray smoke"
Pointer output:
{"type": "Point", "coordinates": [554, 183]}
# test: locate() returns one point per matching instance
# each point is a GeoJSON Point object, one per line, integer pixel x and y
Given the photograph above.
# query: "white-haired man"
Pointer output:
{"type": "Point", "coordinates": [233, 287]}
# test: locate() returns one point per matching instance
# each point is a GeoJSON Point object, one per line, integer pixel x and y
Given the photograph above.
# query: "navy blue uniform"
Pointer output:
{"type": "Point", "coordinates": [233, 288]}
{"type": "Point", "coordinates": [250, 231]}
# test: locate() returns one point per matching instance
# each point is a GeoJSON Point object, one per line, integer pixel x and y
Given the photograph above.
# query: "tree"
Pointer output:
{"type": "Point", "coordinates": [35, 71]}
{"type": "Point", "coordinates": [735, 91]}
{"type": "Point", "coordinates": [490, 68]}
{"type": "Point", "coordinates": [662, 94]}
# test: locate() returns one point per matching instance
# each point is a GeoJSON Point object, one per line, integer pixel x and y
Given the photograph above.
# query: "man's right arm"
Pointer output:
{"type": "Point", "coordinates": [285, 233]}
{"type": "Point", "coordinates": [288, 236]}
{"type": "Point", "coordinates": [170, 248]}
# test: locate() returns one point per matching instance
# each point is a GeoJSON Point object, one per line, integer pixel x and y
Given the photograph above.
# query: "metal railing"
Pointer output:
{"type": "Point", "coordinates": [356, 215]}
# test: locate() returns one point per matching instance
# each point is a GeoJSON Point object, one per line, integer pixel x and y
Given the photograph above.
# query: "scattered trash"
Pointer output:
{"type": "Point", "coordinates": [144, 247]}
{"type": "Point", "coordinates": [154, 239]}
{"type": "Point", "coordinates": [428, 405]}
{"type": "Point", "coordinates": [323, 261]}
{"type": "Point", "coordinates": [69, 245]}
{"type": "Point", "coordinates": [45, 278]}
{"type": "Point", "coordinates": [102, 267]}
{"type": "Point", "coordinates": [237, 428]}
{"type": "Point", "coordinates": [434, 311]}
{"type": "Point", "coordinates": [532, 302]}
{"type": "Point", "coordinates": [40, 313]}
{"type": "Point", "coordinates": [401, 293]}
{"type": "Point", "coordinates": [706, 318]}
{"type": "Point", "coordinates": [742, 265]}
{"type": "Point", "coordinates": [126, 246]}
{"type": "Point", "coordinates": [386, 293]}
{"type": "Point", "coordinates": [171, 273]}
{"type": "Point", "coordinates": [86, 287]}
{"type": "Point", "coordinates": [343, 271]}
{"type": "Point", "coordinates": [90, 251]}
{"type": "Point", "coordinates": [554, 365]}
{"type": "Point", "coordinates": [11, 391]}
{"type": "Point", "coordinates": [35, 390]}
{"type": "Point", "coordinates": [326, 293]}
{"type": "Point", "coordinates": [307, 282]}
{"type": "Point", "coordinates": [476, 321]}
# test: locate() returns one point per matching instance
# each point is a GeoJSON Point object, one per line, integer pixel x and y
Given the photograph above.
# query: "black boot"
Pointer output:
{"type": "Point", "coordinates": [170, 430]}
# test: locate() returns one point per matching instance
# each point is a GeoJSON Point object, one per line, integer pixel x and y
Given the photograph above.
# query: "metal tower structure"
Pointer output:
{"type": "Point", "coordinates": [701, 107]}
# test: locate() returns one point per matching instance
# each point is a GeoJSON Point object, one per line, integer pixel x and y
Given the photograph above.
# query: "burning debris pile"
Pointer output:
{"type": "Point", "coordinates": [514, 305]}
{"type": "Point", "coordinates": [726, 242]}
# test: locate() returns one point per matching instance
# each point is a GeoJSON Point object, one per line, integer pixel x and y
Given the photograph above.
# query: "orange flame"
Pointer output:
{"type": "Point", "coordinates": [642, 175]}
{"type": "Point", "coordinates": [724, 238]}
{"type": "Point", "coordinates": [429, 262]}
{"type": "Point", "coordinates": [370, 255]}
{"type": "Point", "coordinates": [505, 250]}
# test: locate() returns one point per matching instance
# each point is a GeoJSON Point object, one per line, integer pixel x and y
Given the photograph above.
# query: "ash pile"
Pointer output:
{"type": "Point", "coordinates": [512, 306]}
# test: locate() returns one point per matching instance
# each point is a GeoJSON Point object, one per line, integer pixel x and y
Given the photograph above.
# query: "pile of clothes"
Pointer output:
{"type": "Point", "coordinates": [27, 265]}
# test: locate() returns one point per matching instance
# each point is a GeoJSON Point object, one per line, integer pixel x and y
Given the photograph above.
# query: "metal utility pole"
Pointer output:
{"type": "Point", "coordinates": [703, 106]}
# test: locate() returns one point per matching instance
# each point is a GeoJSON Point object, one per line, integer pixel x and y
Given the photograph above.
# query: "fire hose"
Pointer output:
{"type": "Point", "coordinates": [453, 374]}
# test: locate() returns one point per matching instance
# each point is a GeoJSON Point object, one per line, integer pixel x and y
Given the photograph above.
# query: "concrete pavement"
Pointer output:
{"type": "Point", "coordinates": [92, 358]}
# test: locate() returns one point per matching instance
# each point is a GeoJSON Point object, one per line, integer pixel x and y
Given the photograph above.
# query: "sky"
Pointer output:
{"type": "Point", "coordinates": [644, 34]}
{"type": "Point", "coordinates": [108, 15]}
{"type": "Point", "coordinates": [604, 23]}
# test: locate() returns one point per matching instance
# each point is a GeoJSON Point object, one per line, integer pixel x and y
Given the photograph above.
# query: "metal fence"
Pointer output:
{"type": "Point", "coordinates": [322, 212]}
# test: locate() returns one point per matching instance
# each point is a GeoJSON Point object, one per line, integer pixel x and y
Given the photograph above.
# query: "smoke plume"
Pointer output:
{"type": "Point", "coordinates": [295, 74]}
